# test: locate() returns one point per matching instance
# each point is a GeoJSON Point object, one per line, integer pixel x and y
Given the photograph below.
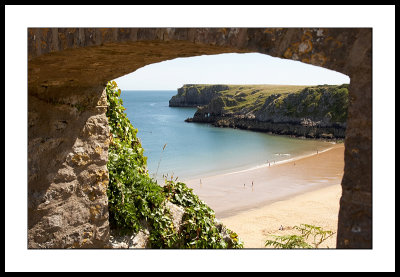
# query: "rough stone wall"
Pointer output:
{"type": "Point", "coordinates": [355, 215]}
{"type": "Point", "coordinates": [65, 63]}
{"type": "Point", "coordinates": [86, 57]}
{"type": "Point", "coordinates": [67, 172]}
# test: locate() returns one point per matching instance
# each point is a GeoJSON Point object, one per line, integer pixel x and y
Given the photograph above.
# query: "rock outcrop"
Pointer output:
{"type": "Point", "coordinates": [141, 239]}
{"type": "Point", "coordinates": [195, 95]}
{"type": "Point", "coordinates": [314, 112]}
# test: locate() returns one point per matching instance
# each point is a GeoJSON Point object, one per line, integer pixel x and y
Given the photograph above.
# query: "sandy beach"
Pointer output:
{"type": "Point", "coordinates": [255, 203]}
{"type": "Point", "coordinates": [319, 208]}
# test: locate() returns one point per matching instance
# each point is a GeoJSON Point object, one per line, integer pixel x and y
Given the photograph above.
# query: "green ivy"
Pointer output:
{"type": "Point", "coordinates": [199, 228]}
{"type": "Point", "coordinates": [132, 195]}
{"type": "Point", "coordinates": [134, 198]}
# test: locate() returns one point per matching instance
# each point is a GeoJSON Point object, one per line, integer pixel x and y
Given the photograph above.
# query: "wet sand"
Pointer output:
{"type": "Point", "coordinates": [303, 190]}
{"type": "Point", "coordinates": [228, 194]}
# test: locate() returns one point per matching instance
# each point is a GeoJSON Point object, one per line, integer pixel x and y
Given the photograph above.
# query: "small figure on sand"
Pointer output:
{"type": "Point", "coordinates": [281, 228]}
{"type": "Point", "coordinates": [244, 185]}
{"type": "Point", "coordinates": [252, 183]}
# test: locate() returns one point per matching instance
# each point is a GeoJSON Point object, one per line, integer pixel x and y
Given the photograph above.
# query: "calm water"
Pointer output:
{"type": "Point", "coordinates": [195, 149]}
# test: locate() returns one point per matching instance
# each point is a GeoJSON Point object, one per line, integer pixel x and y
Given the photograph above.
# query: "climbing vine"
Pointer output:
{"type": "Point", "coordinates": [136, 200]}
{"type": "Point", "coordinates": [132, 195]}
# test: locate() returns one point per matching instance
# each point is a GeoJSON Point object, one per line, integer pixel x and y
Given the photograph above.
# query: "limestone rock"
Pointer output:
{"type": "Point", "coordinates": [177, 213]}
{"type": "Point", "coordinates": [195, 95]}
{"type": "Point", "coordinates": [296, 114]}
{"type": "Point", "coordinates": [139, 240]}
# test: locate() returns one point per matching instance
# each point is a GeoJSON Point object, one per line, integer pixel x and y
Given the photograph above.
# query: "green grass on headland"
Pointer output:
{"type": "Point", "coordinates": [240, 96]}
{"type": "Point", "coordinates": [318, 102]}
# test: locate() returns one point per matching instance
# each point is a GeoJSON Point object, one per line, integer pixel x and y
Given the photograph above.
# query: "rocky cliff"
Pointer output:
{"type": "Point", "coordinates": [196, 95]}
{"type": "Point", "coordinates": [312, 112]}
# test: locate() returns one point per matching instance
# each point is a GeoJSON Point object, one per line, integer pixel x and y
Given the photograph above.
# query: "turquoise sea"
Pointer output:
{"type": "Point", "coordinates": [196, 149]}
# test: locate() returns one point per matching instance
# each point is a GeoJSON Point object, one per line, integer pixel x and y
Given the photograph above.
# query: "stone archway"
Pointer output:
{"type": "Point", "coordinates": [68, 131]}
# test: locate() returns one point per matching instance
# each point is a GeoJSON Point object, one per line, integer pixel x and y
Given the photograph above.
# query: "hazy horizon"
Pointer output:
{"type": "Point", "coordinates": [229, 69]}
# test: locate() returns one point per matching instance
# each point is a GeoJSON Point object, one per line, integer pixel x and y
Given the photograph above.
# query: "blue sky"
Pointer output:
{"type": "Point", "coordinates": [232, 68]}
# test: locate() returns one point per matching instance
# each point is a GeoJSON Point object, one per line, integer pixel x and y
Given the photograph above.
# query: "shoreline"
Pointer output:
{"type": "Point", "coordinates": [278, 162]}
{"type": "Point", "coordinates": [254, 203]}
{"type": "Point", "coordinates": [228, 195]}
{"type": "Point", "coordinates": [241, 169]}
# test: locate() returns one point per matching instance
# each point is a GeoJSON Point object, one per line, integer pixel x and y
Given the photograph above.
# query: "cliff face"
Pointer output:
{"type": "Point", "coordinates": [314, 112]}
{"type": "Point", "coordinates": [196, 95]}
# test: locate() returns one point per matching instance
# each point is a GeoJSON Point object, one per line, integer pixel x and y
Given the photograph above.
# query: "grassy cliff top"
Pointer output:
{"type": "Point", "coordinates": [265, 88]}
{"type": "Point", "coordinates": [235, 98]}
{"type": "Point", "coordinates": [252, 95]}
{"type": "Point", "coordinates": [249, 95]}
